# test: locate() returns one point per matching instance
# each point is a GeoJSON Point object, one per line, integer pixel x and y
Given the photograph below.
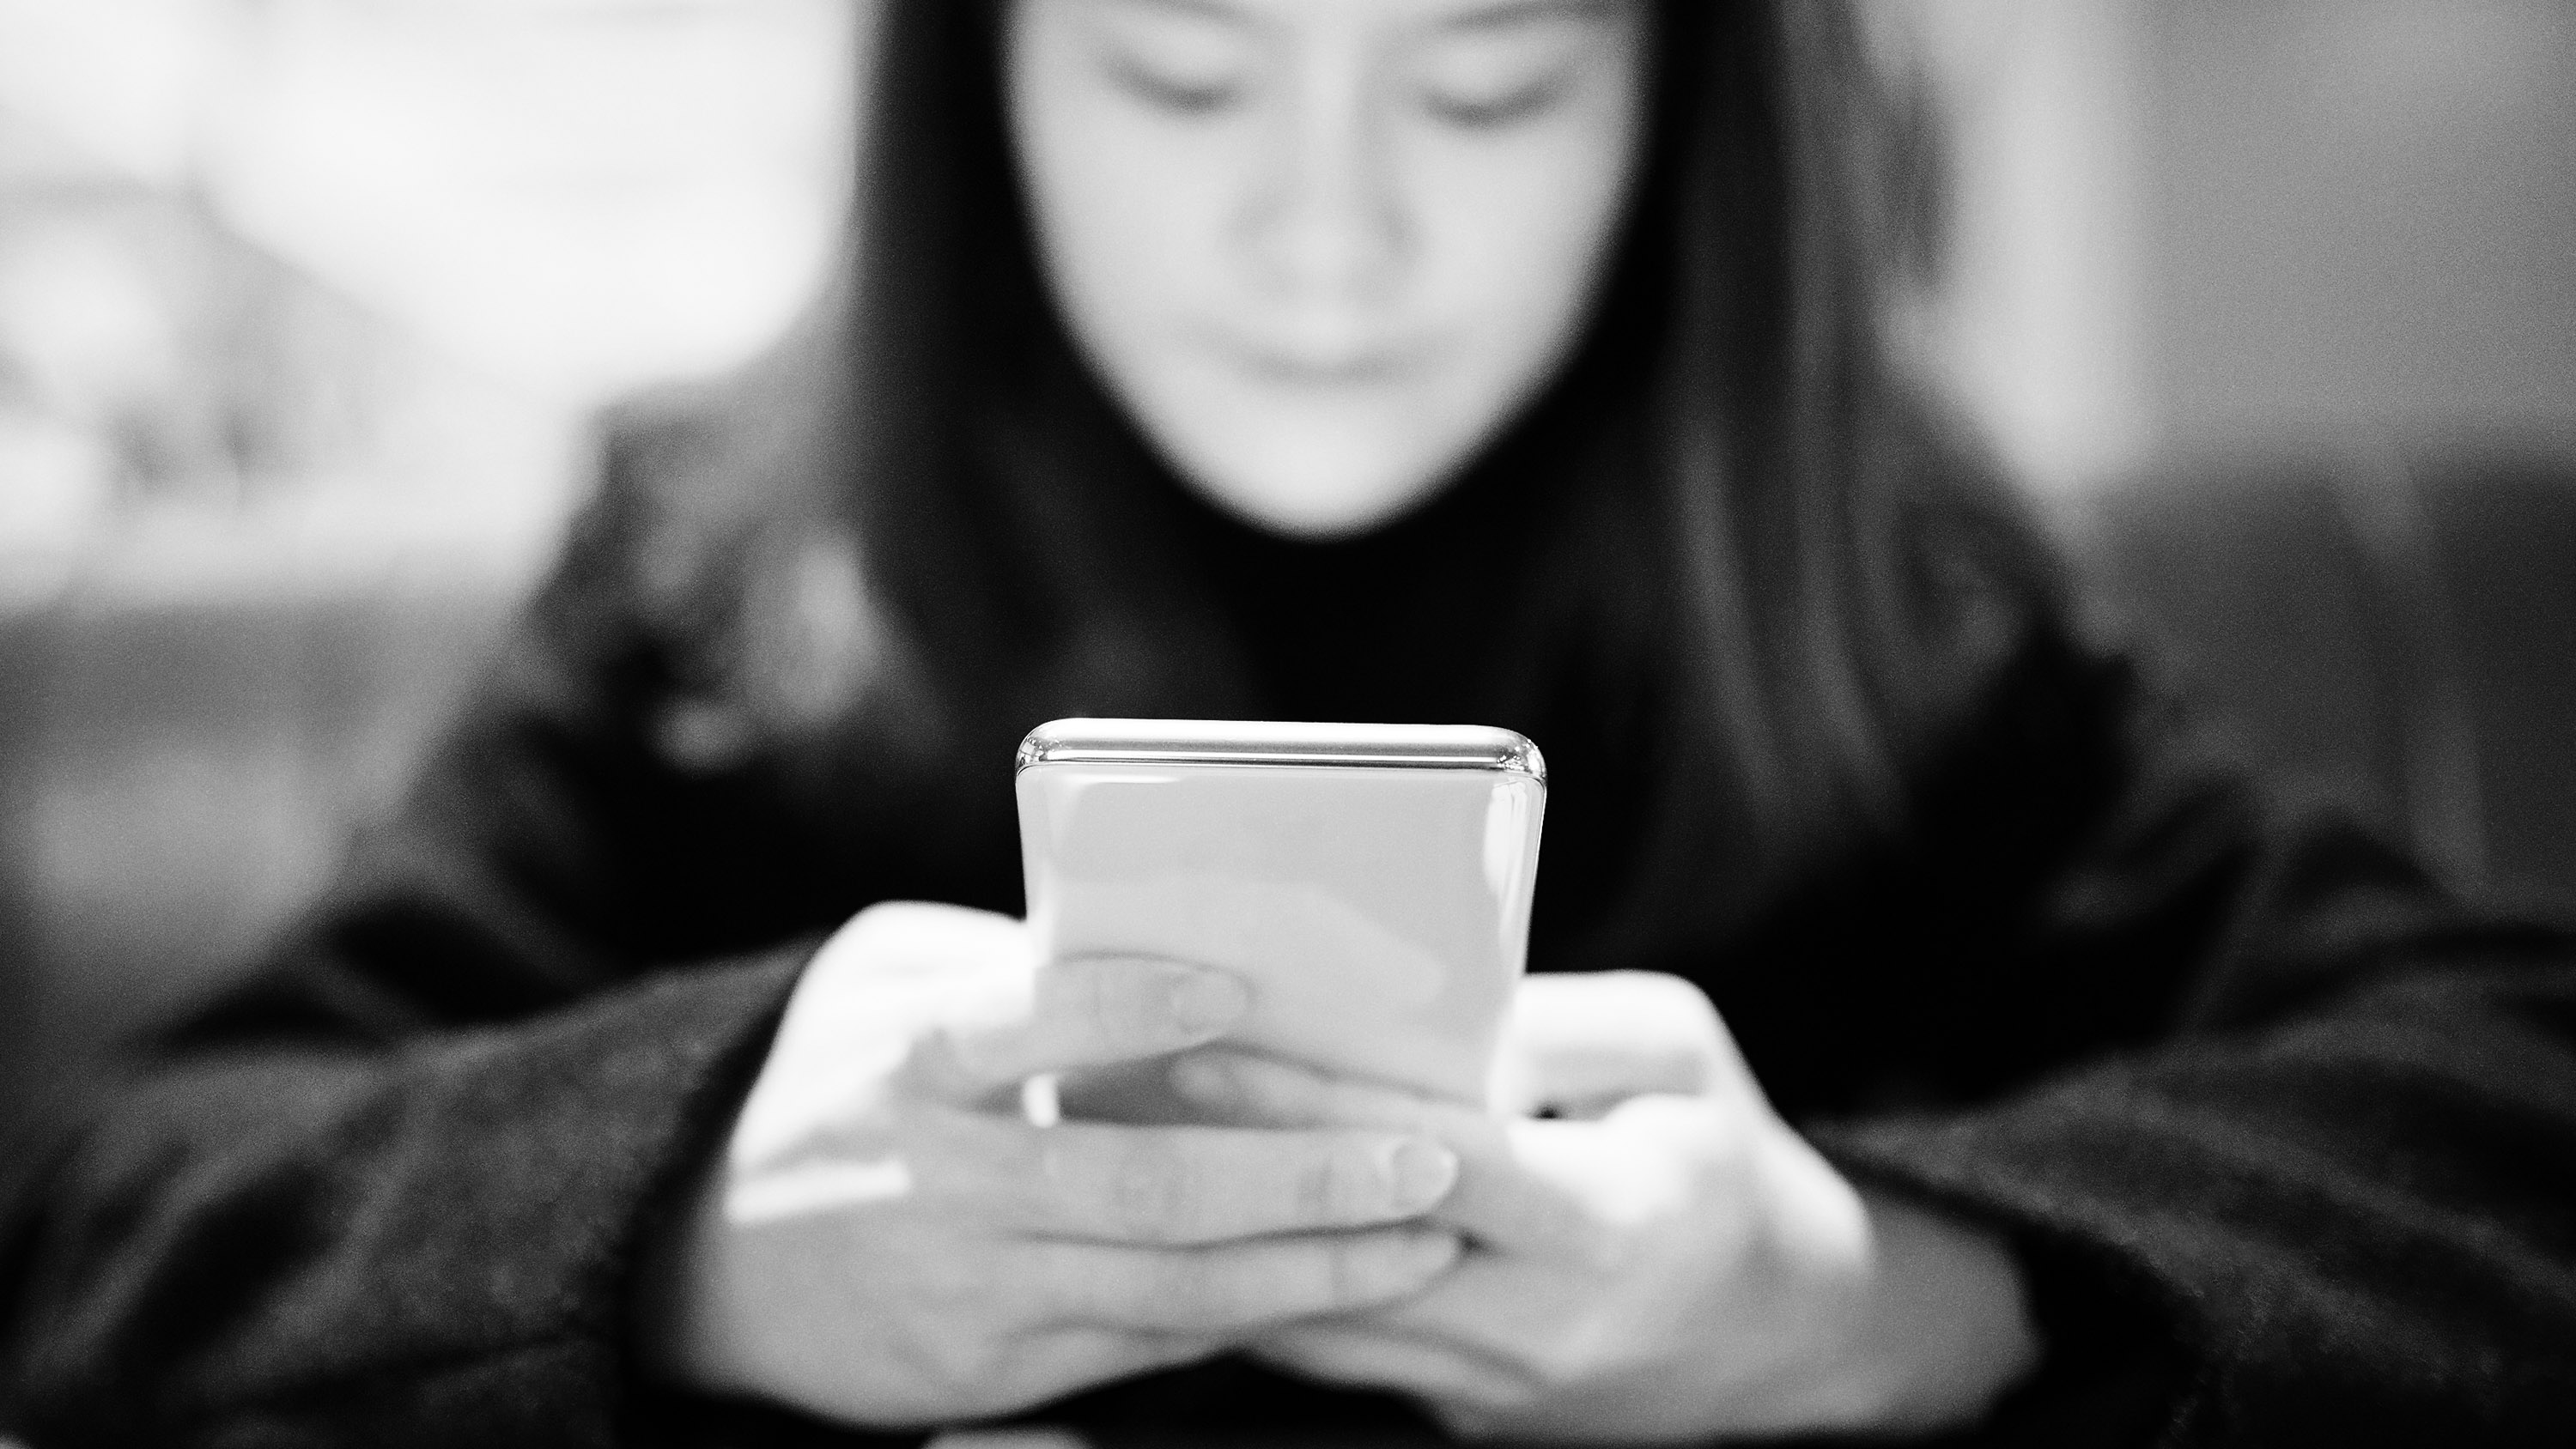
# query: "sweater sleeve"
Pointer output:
{"type": "Point", "coordinates": [2317, 1184]}
{"type": "Point", "coordinates": [387, 1190]}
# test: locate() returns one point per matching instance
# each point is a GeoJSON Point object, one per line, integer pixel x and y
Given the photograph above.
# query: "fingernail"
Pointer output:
{"type": "Point", "coordinates": [1207, 1002]}
{"type": "Point", "coordinates": [1420, 1173]}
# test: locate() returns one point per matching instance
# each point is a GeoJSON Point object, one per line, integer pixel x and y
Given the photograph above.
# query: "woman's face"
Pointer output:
{"type": "Point", "coordinates": [1323, 250]}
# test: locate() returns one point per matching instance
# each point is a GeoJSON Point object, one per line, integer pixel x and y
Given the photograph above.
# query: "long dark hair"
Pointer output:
{"type": "Point", "coordinates": [1733, 423]}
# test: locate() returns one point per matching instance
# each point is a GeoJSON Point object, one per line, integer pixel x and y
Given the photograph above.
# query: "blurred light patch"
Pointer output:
{"type": "Point", "coordinates": [583, 197]}
{"type": "Point", "coordinates": [291, 284]}
{"type": "Point", "coordinates": [127, 82]}
{"type": "Point", "coordinates": [577, 195]}
{"type": "Point", "coordinates": [2034, 322]}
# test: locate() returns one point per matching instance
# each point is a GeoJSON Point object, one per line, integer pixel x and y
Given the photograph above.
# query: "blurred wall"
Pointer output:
{"type": "Point", "coordinates": [2180, 227]}
{"type": "Point", "coordinates": [2035, 320]}
{"type": "Point", "coordinates": [2360, 216]}
{"type": "Point", "coordinates": [575, 196]}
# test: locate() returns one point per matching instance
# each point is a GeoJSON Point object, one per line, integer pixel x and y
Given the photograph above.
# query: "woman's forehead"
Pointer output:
{"type": "Point", "coordinates": [1389, 15]}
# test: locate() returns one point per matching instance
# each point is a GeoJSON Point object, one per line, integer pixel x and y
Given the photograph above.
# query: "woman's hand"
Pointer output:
{"type": "Point", "coordinates": [888, 1239]}
{"type": "Point", "coordinates": [1665, 1260]}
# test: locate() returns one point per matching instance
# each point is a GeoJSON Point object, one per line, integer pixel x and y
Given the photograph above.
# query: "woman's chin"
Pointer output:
{"type": "Point", "coordinates": [1317, 494]}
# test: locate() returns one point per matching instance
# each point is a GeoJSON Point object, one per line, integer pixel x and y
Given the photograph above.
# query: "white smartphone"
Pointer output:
{"type": "Point", "coordinates": [1371, 883]}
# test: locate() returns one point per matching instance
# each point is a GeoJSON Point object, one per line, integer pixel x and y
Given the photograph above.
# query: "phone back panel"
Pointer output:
{"type": "Point", "coordinates": [1381, 914]}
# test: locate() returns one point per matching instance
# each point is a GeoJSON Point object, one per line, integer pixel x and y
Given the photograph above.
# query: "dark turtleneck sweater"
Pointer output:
{"type": "Point", "coordinates": [2286, 1137]}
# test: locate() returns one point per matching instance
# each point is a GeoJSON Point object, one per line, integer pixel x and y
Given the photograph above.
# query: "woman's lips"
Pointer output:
{"type": "Point", "coordinates": [1322, 367]}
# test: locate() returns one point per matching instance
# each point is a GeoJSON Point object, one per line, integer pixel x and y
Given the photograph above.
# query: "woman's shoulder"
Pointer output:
{"type": "Point", "coordinates": [1970, 582]}
{"type": "Point", "coordinates": [688, 468]}
{"type": "Point", "coordinates": [1962, 511]}
{"type": "Point", "coordinates": [711, 542]}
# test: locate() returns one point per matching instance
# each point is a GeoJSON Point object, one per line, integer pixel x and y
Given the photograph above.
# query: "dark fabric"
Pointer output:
{"type": "Point", "coordinates": [2288, 1140]}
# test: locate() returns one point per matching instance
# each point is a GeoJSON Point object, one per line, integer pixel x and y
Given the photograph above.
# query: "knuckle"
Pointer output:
{"type": "Point", "coordinates": [1345, 1277]}
{"type": "Point", "coordinates": [1329, 1188]}
{"type": "Point", "coordinates": [1073, 1290]}
{"type": "Point", "coordinates": [1120, 1002]}
{"type": "Point", "coordinates": [1092, 995]}
{"type": "Point", "coordinates": [1153, 1197]}
{"type": "Point", "coordinates": [935, 1061]}
{"type": "Point", "coordinates": [1358, 1273]}
{"type": "Point", "coordinates": [1053, 1163]}
{"type": "Point", "coordinates": [953, 1363]}
{"type": "Point", "coordinates": [1202, 1295]}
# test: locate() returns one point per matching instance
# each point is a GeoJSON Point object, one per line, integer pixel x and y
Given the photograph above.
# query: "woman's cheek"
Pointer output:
{"type": "Point", "coordinates": [1518, 241]}
{"type": "Point", "coordinates": [1129, 218]}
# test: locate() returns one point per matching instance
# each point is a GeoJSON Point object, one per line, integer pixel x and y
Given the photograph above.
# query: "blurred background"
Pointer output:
{"type": "Point", "coordinates": [305, 304]}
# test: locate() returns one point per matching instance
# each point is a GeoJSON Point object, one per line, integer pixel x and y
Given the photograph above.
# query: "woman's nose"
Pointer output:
{"type": "Point", "coordinates": [1328, 226]}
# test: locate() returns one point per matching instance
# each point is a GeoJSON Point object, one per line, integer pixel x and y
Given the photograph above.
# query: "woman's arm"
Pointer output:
{"type": "Point", "coordinates": [392, 1180]}
{"type": "Point", "coordinates": [2324, 1196]}
{"type": "Point", "coordinates": [2271, 1119]}
{"type": "Point", "coordinates": [472, 1161]}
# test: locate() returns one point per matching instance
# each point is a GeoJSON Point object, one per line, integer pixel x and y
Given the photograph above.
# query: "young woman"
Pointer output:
{"type": "Point", "coordinates": [1930, 1041]}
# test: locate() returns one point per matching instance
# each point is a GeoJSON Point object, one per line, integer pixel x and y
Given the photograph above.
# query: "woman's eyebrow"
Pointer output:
{"type": "Point", "coordinates": [1511, 14]}
{"type": "Point", "coordinates": [1211, 10]}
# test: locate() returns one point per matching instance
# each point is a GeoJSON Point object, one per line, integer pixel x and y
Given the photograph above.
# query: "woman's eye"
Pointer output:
{"type": "Point", "coordinates": [1487, 106]}
{"type": "Point", "coordinates": [1180, 91]}
{"type": "Point", "coordinates": [1176, 59]}
{"type": "Point", "coordinates": [1488, 80]}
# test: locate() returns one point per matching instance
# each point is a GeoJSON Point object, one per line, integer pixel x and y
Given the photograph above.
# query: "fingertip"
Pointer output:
{"type": "Point", "coordinates": [1421, 1172]}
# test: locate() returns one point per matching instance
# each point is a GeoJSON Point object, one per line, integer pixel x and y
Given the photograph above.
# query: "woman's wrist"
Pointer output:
{"type": "Point", "coordinates": [670, 1301]}
{"type": "Point", "coordinates": [1945, 1328]}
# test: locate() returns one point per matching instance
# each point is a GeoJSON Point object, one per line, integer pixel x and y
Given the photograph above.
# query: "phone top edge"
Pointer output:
{"type": "Point", "coordinates": [1266, 742]}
